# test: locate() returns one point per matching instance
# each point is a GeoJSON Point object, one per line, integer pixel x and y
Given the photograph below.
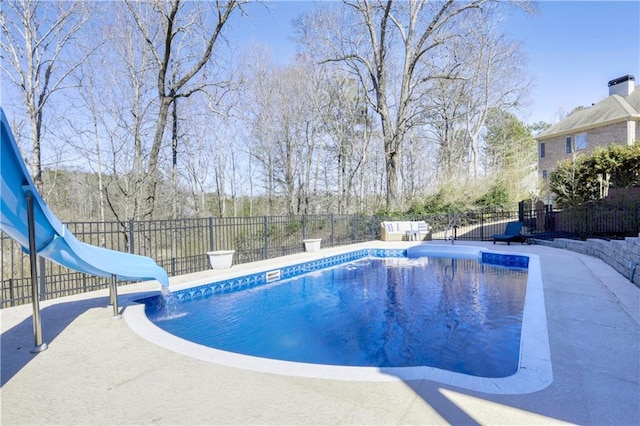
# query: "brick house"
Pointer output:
{"type": "Point", "coordinates": [614, 120]}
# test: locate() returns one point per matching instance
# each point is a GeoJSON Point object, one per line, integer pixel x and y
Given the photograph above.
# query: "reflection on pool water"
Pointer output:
{"type": "Point", "coordinates": [456, 316]}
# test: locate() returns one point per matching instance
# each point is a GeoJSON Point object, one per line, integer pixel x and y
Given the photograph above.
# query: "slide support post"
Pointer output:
{"type": "Point", "coordinates": [113, 297]}
{"type": "Point", "coordinates": [35, 294]}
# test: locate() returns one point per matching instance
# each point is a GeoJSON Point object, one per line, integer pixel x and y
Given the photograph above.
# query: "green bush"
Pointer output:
{"type": "Point", "coordinates": [441, 202]}
{"type": "Point", "coordinates": [497, 196]}
{"type": "Point", "coordinates": [576, 181]}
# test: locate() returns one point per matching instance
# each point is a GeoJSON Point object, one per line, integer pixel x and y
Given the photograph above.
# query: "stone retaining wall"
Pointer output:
{"type": "Point", "coordinates": [622, 255]}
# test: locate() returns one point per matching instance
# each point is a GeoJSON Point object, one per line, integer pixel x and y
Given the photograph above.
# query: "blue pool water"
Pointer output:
{"type": "Point", "coordinates": [455, 314]}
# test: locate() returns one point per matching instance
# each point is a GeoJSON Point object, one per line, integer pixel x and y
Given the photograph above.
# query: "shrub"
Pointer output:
{"type": "Point", "coordinates": [576, 181]}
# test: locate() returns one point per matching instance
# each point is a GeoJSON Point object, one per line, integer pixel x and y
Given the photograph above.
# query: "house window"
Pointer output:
{"type": "Point", "coordinates": [567, 145]}
{"type": "Point", "coordinates": [581, 141]}
{"type": "Point", "coordinates": [542, 150]}
{"type": "Point", "coordinates": [544, 175]}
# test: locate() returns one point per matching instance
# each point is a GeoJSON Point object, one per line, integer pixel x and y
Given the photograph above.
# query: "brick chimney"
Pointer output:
{"type": "Point", "coordinates": [622, 86]}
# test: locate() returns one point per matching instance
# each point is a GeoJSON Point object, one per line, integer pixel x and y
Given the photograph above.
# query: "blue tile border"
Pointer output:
{"type": "Point", "coordinates": [509, 260]}
{"type": "Point", "coordinates": [258, 279]}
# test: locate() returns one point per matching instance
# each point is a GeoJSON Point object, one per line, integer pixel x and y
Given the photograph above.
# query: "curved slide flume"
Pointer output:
{"type": "Point", "coordinates": [53, 240]}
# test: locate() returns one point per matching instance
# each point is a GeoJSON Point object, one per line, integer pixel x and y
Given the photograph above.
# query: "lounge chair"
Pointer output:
{"type": "Point", "coordinates": [404, 230]}
{"type": "Point", "coordinates": [511, 234]}
{"type": "Point", "coordinates": [423, 231]}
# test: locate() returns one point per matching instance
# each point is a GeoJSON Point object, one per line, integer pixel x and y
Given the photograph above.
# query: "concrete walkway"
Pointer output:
{"type": "Point", "coordinates": [98, 371]}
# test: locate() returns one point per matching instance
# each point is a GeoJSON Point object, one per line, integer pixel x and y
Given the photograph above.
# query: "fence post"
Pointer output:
{"type": "Point", "coordinates": [42, 278]}
{"type": "Point", "coordinates": [132, 249]}
{"type": "Point", "coordinates": [304, 226]}
{"type": "Point", "coordinates": [373, 226]}
{"type": "Point", "coordinates": [332, 220]}
{"type": "Point", "coordinates": [12, 295]}
{"type": "Point", "coordinates": [354, 224]}
{"type": "Point", "coordinates": [211, 248]}
{"type": "Point", "coordinates": [265, 249]}
{"type": "Point", "coordinates": [174, 246]}
{"type": "Point", "coordinates": [482, 225]}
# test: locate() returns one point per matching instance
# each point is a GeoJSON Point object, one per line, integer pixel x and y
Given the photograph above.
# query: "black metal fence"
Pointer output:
{"type": "Point", "coordinates": [181, 246]}
{"type": "Point", "coordinates": [607, 222]}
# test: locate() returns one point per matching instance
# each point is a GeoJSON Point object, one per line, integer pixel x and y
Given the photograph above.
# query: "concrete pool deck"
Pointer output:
{"type": "Point", "coordinates": [99, 371]}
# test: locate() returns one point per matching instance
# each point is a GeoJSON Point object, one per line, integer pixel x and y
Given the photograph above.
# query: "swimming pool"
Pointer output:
{"type": "Point", "coordinates": [532, 365]}
{"type": "Point", "coordinates": [456, 314]}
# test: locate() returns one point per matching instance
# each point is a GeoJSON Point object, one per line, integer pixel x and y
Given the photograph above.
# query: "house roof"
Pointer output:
{"type": "Point", "coordinates": [611, 109]}
{"type": "Point", "coordinates": [634, 100]}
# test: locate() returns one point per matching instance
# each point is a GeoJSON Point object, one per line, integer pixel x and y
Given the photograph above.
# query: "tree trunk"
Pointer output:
{"type": "Point", "coordinates": [151, 175]}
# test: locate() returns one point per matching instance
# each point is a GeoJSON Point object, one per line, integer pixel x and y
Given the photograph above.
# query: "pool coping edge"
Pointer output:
{"type": "Point", "coordinates": [534, 370]}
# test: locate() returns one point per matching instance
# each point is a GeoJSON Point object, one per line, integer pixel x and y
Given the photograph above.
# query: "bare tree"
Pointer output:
{"type": "Point", "coordinates": [121, 100]}
{"type": "Point", "coordinates": [510, 154]}
{"type": "Point", "coordinates": [494, 77]}
{"type": "Point", "coordinates": [182, 41]}
{"type": "Point", "coordinates": [391, 48]}
{"type": "Point", "coordinates": [259, 116]}
{"type": "Point", "coordinates": [196, 173]}
{"type": "Point", "coordinates": [310, 79]}
{"type": "Point", "coordinates": [405, 33]}
{"type": "Point", "coordinates": [198, 162]}
{"type": "Point", "coordinates": [87, 134]}
{"type": "Point", "coordinates": [40, 50]}
{"type": "Point", "coordinates": [346, 126]}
